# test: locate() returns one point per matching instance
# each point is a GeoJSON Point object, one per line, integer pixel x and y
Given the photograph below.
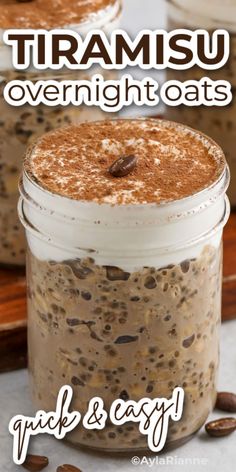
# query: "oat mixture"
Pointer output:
{"type": "Point", "coordinates": [113, 334]}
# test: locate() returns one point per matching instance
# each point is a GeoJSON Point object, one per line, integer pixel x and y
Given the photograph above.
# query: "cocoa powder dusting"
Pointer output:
{"type": "Point", "coordinates": [49, 13]}
{"type": "Point", "coordinates": [173, 161]}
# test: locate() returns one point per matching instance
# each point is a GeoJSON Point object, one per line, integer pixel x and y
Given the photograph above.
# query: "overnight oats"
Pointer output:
{"type": "Point", "coordinates": [19, 127]}
{"type": "Point", "coordinates": [217, 122]}
{"type": "Point", "coordinates": [124, 269]}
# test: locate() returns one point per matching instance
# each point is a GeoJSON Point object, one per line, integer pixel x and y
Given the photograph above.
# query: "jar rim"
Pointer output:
{"type": "Point", "coordinates": [175, 248]}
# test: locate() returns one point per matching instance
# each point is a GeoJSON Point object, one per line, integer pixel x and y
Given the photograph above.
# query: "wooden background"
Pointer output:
{"type": "Point", "coordinates": [13, 303]}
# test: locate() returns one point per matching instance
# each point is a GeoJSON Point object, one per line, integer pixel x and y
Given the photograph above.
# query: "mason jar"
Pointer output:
{"type": "Point", "coordinates": [217, 122]}
{"type": "Point", "coordinates": [20, 126]}
{"type": "Point", "coordinates": [124, 273]}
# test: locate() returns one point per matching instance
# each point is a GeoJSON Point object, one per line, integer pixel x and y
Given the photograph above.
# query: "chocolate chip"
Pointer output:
{"type": "Point", "coordinates": [73, 321]}
{"type": "Point", "coordinates": [123, 166]}
{"type": "Point", "coordinates": [35, 463]}
{"type": "Point", "coordinates": [185, 266]}
{"type": "Point", "coordinates": [150, 283]}
{"type": "Point", "coordinates": [68, 468]}
{"type": "Point", "coordinates": [188, 341]}
{"type": "Point", "coordinates": [77, 381]}
{"type": "Point", "coordinates": [222, 427]}
{"type": "Point", "coordinates": [124, 395]}
{"type": "Point", "coordinates": [114, 273]}
{"type": "Point", "coordinates": [149, 389]}
{"type": "Point", "coordinates": [135, 299]}
{"type": "Point", "coordinates": [86, 295]}
{"type": "Point", "coordinates": [126, 339]}
{"type": "Point", "coordinates": [79, 271]}
{"type": "Point", "coordinates": [226, 402]}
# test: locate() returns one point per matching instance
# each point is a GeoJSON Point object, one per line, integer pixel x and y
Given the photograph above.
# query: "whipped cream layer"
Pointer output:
{"type": "Point", "coordinates": [128, 235]}
{"type": "Point", "coordinates": [211, 14]}
{"type": "Point", "coordinates": [81, 16]}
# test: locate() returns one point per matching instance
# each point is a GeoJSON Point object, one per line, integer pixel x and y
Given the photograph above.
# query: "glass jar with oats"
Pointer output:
{"type": "Point", "coordinates": [217, 122]}
{"type": "Point", "coordinates": [20, 126]}
{"type": "Point", "coordinates": [124, 269]}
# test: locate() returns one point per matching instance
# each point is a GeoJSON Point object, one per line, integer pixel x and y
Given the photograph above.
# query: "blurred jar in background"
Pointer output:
{"type": "Point", "coordinates": [19, 127]}
{"type": "Point", "coordinates": [217, 122]}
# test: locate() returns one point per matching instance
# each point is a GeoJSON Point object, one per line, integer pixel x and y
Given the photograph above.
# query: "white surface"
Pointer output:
{"type": "Point", "coordinates": [220, 453]}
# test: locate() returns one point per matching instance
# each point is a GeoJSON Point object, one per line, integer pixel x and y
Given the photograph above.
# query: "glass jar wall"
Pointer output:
{"type": "Point", "coordinates": [136, 310]}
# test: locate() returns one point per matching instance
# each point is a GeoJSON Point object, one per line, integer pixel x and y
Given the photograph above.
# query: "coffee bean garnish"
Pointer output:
{"type": "Point", "coordinates": [226, 402]}
{"type": "Point", "coordinates": [123, 166]}
{"type": "Point", "coordinates": [68, 468]}
{"type": "Point", "coordinates": [220, 428]}
{"type": "Point", "coordinates": [35, 463]}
